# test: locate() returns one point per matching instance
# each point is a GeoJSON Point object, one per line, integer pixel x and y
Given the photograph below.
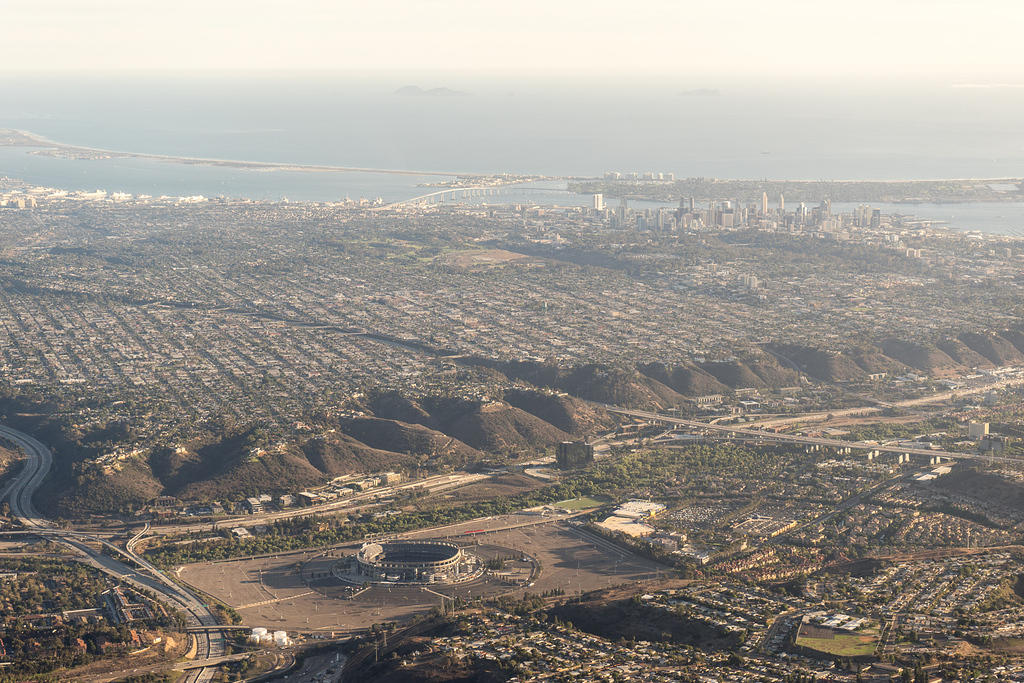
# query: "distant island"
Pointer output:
{"type": "Point", "coordinates": [416, 91]}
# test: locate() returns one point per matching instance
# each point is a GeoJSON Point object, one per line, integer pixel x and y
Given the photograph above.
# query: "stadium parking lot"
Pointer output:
{"type": "Point", "coordinates": [294, 591]}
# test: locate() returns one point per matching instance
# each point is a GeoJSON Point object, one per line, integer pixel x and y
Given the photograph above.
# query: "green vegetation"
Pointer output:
{"type": "Point", "coordinates": [842, 644]}
{"type": "Point", "coordinates": [652, 472]}
{"type": "Point", "coordinates": [38, 638]}
{"type": "Point", "coordinates": [884, 431]}
{"type": "Point", "coordinates": [46, 585]}
{"type": "Point", "coordinates": [583, 503]}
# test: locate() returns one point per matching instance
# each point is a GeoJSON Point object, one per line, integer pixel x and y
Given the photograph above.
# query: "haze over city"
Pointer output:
{"type": "Point", "coordinates": [475, 341]}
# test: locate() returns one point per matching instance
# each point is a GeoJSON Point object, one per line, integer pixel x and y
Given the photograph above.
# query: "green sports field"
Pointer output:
{"type": "Point", "coordinates": [838, 643]}
{"type": "Point", "coordinates": [582, 503]}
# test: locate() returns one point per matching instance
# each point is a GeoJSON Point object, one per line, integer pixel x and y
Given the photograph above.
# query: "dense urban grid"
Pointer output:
{"type": "Point", "coordinates": [729, 439]}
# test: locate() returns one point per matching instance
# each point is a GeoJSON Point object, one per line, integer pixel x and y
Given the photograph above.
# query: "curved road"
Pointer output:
{"type": "Point", "coordinates": [20, 493]}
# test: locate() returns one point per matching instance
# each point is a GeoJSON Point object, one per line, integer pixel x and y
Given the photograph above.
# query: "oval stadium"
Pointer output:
{"type": "Point", "coordinates": [425, 561]}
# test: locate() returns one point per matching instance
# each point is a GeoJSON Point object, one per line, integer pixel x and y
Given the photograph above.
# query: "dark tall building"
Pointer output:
{"type": "Point", "coordinates": [574, 454]}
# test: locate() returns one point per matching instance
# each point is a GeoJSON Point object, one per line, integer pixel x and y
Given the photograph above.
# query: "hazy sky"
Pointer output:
{"type": "Point", "coordinates": [961, 41]}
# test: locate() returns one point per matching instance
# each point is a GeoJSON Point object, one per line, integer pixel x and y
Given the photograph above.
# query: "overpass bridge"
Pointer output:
{"type": "Point", "coordinates": [454, 193]}
{"type": "Point", "coordinates": [808, 440]}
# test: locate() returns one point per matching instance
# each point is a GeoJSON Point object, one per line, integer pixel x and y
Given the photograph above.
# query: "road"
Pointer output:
{"type": "Point", "coordinates": [807, 440]}
{"type": "Point", "coordinates": [20, 493]}
{"type": "Point", "coordinates": [452, 191]}
{"type": "Point", "coordinates": [825, 415]}
{"type": "Point", "coordinates": [432, 484]}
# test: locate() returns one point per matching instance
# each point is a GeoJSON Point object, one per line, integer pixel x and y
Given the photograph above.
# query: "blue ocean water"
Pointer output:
{"type": "Point", "coordinates": [785, 130]}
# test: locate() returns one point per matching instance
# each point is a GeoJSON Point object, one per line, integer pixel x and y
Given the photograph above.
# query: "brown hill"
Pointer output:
{"type": "Point", "coordinates": [337, 453]}
{"type": "Point", "coordinates": [985, 486]}
{"type": "Point", "coordinates": [603, 383]}
{"type": "Point", "coordinates": [963, 354]}
{"type": "Point", "coordinates": [771, 371]}
{"type": "Point", "coordinates": [569, 414]}
{"type": "Point", "coordinates": [245, 463]}
{"type": "Point", "coordinates": [618, 386]}
{"type": "Point", "coordinates": [394, 406]}
{"type": "Point", "coordinates": [734, 374]}
{"type": "Point", "coordinates": [992, 347]}
{"type": "Point", "coordinates": [686, 380]}
{"type": "Point", "coordinates": [495, 426]}
{"type": "Point", "coordinates": [1015, 337]}
{"type": "Point", "coordinates": [614, 619]}
{"type": "Point", "coordinates": [270, 473]}
{"type": "Point", "coordinates": [828, 366]}
{"type": "Point", "coordinates": [926, 358]}
{"type": "Point", "coordinates": [536, 373]}
{"type": "Point", "coordinates": [402, 437]}
{"type": "Point", "coordinates": [97, 493]}
{"type": "Point", "coordinates": [872, 361]}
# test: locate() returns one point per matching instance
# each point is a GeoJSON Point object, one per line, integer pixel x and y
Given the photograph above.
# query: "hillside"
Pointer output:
{"type": "Point", "coordinates": [823, 365]}
{"type": "Point", "coordinates": [635, 620]}
{"type": "Point", "coordinates": [993, 347]}
{"type": "Point", "coordinates": [925, 358]}
{"type": "Point", "coordinates": [402, 437]}
{"type": "Point", "coordinates": [565, 412]}
{"type": "Point", "coordinates": [620, 385]}
{"type": "Point", "coordinates": [687, 380]}
{"type": "Point", "coordinates": [735, 374]}
{"type": "Point", "coordinates": [495, 426]}
{"type": "Point", "coordinates": [984, 486]}
{"type": "Point", "coordinates": [225, 463]}
{"type": "Point", "coordinates": [390, 431]}
{"type": "Point", "coordinates": [962, 354]}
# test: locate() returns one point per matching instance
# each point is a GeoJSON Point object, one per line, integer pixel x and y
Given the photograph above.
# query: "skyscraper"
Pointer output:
{"type": "Point", "coordinates": [764, 203]}
{"type": "Point", "coordinates": [599, 202]}
{"type": "Point", "coordinates": [782, 204]}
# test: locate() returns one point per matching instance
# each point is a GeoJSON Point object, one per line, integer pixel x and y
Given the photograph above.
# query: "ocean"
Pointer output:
{"type": "Point", "coordinates": [558, 127]}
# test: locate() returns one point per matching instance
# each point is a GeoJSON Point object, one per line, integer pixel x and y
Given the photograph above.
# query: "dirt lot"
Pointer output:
{"type": "Point", "coordinates": [287, 591]}
{"type": "Point", "coordinates": [507, 485]}
{"type": "Point", "coordinates": [478, 258]}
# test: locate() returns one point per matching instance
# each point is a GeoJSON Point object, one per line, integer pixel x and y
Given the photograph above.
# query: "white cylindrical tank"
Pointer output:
{"type": "Point", "coordinates": [281, 638]}
{"type": "Point", "coordinates": [258, 634]}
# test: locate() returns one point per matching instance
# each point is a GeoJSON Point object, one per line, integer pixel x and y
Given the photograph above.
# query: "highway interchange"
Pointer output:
{"type": "Point", "coordinates": [19, 493]}
{"type": "Point", "coordinates": [806, 440]}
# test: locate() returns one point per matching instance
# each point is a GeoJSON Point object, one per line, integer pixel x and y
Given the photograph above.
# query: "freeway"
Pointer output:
{"type": "Point", "coordinates": [355, 503]}
{"type": "Point", "coordinates": [20, 492]}
{"type": "Point", "coordinates": [807, 440]}
{"type": "Point", "coordinates": [828, 415]}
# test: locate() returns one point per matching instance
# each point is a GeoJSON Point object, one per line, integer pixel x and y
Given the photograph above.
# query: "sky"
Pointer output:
{"type": "Point", "coordinates": [969, 42]}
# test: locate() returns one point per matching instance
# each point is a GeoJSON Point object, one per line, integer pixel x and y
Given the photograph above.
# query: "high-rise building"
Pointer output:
{"type": "Point", "coordinates": [621, 212]}
{"type": "Point", "coordinates": [764, 203]}
{"type": "Point", "coordinates": [570, 454]}
{"type": "Point", "coordinates": [782, 204]}
{"type": "Point", "coordinates": [598, 202]}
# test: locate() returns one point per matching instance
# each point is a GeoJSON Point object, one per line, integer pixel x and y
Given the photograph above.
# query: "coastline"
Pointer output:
{"type": "Point", "coordinates": [41, 142]}
{"type": "Point", "coordinates": [31, 139]}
